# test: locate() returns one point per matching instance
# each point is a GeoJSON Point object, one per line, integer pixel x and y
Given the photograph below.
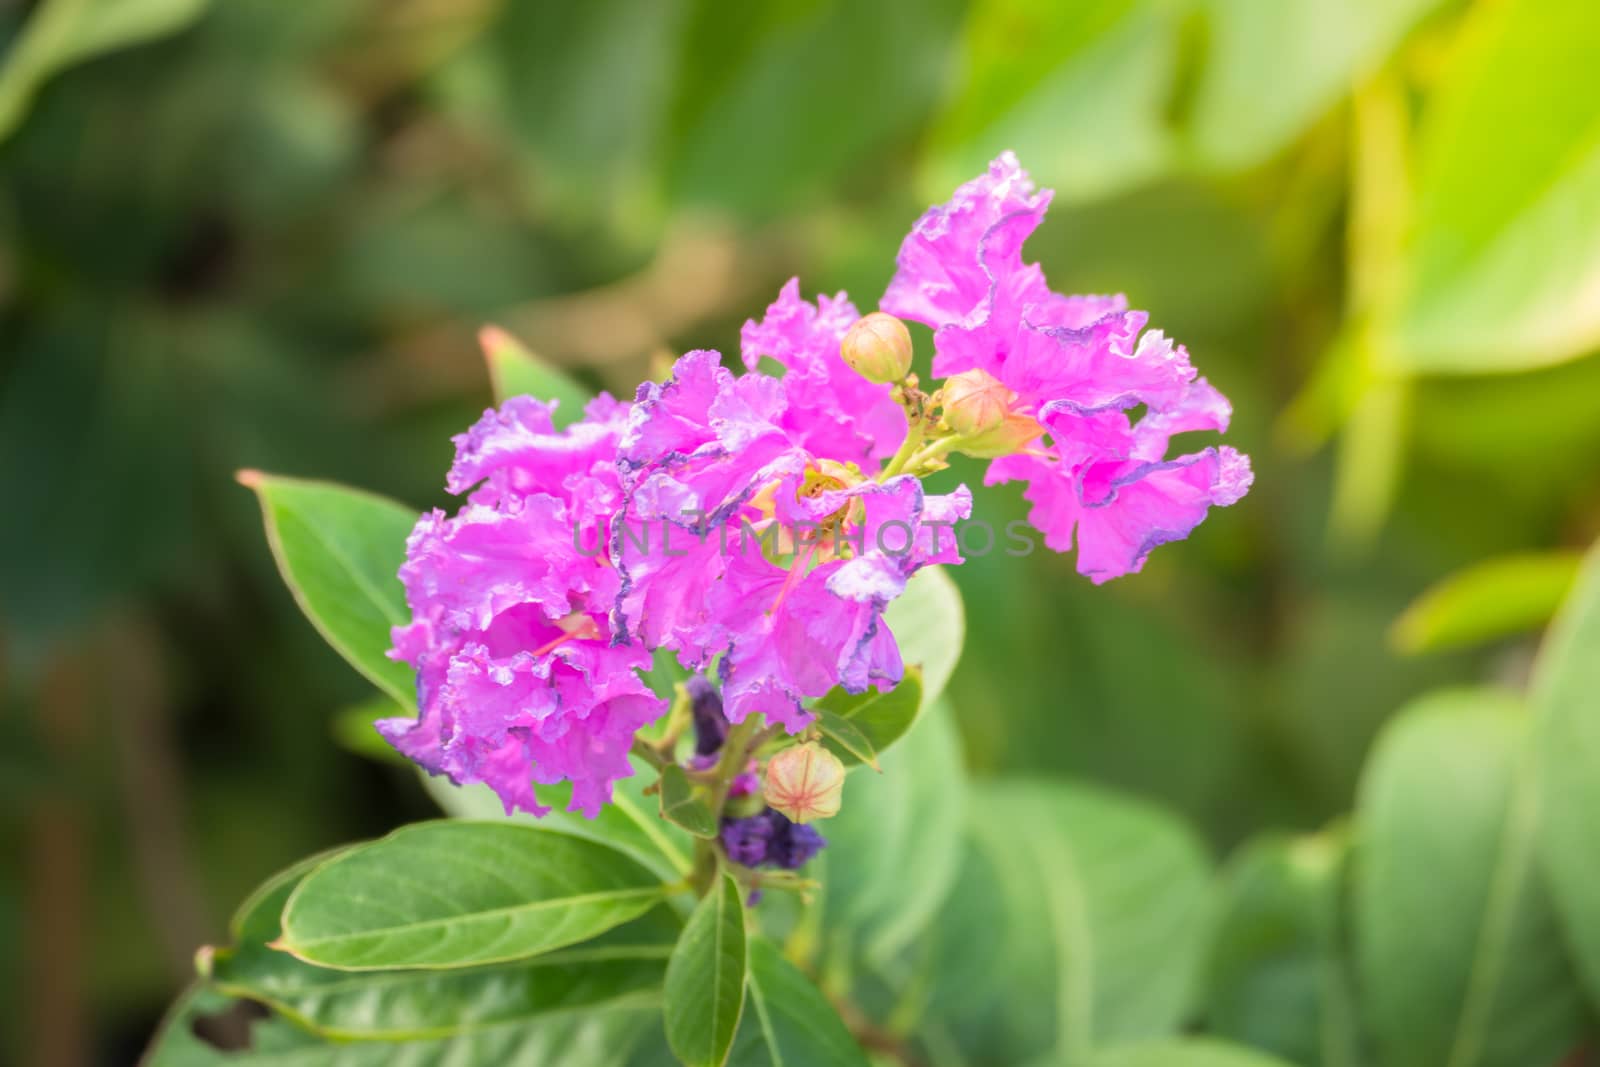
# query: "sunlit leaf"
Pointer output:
{"type": "Point", "coordinates": [1506, 258]}
{"type": "Point", "coordinates": [1488, 600]}
{"type": "Point", "coordinates": [1046, 80]}
{"type": "Point", "coordinates": [1271, 70]}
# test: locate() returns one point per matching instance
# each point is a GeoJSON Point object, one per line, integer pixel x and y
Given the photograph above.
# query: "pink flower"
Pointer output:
{"type": "Point", "coordinates": [518, 680]}
{"type": "Point", "coordinates": [1079, 365]}
{"type": "Point", "coordinates": [773, 558]}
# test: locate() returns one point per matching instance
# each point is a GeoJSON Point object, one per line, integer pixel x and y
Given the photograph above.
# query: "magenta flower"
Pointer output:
{"type": "Point", "coordinates": [518, 680]}
{"type": "Point", "coordinates": [1078, 365]}
{"type": "Point", "coordinates": [760, 525]}
{"type": "Point", "coordinates": [774, 555]}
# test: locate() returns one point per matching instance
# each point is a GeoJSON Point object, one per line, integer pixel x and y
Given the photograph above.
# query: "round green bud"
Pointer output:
{"type": "Point", "coordinates": [878, 347]}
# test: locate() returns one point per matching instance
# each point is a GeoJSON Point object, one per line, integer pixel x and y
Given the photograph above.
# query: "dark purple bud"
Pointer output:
{"type": "Point", "coordinates": [710, 725]}
{"type": "Point", "coordinates": [792, 844]}
{"type": "Point", "coordinates": [747, 841]}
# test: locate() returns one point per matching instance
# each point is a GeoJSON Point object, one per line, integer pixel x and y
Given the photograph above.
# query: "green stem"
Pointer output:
{"type": "Point", "coordinates": [934, 451]}
{"type": "Point", "coordinates": [649, 753]}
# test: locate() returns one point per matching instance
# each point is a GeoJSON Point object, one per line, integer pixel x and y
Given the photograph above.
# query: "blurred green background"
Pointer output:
{"type": "Point", "coordinates": [263, 233]}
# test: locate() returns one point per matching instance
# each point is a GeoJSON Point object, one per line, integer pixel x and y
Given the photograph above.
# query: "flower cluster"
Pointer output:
{"type": "Point", "coordinates": [1076, 366]}
{"type": "Point", "coordinates": [791, 509]}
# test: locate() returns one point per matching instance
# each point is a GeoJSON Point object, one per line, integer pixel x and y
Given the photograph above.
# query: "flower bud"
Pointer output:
{"type": "Point", "coordinates": [975, 402]}
{"type": "Point", "coordinates": [878, 347]}
{"type": "Point", "coordinates": [805, 782]}
{"type": "Point", "coordinates": [1014, 434]}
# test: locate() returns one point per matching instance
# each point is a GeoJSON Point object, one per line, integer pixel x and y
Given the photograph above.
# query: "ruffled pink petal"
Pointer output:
{"type": "Point", "coordinates": [831, 411]}
{"type": "Point", "coordinates": [947, 263]}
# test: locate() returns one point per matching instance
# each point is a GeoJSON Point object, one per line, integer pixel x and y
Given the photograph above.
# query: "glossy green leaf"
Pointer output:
{"type": "Point", "coordinates": [930, 625]}
{"type": "Point", "coordinates": [705, 989]}
{"type": "Point", "coordinates": [681, 807]}
{"type": "Point", "coordinates": [61, 33]}
{"type": "Point", "coordinates": [1044, 79]}
{"type": "Point", "coordinates": [1100, 906]}
{"type": "Point", "coordinates": [1271, 70]}
{"type": "Point", "coordinates": [1279, 977]}
{"type": "Point", "coordinates": [844, 739]}
{"type": "Point", "coordinates": [1506, 257]}
{"type": "Point", "coordinates": [623, 967]}
{"type": "Point", "coordinates": [1568, 760]}
{"type": "Point", "coordinates": [1489, 600]}
{"type": "Point", "coordinates": [340, 551]}
{"type": "Point", "coordinates": [1187, 1052]}
{"type": "Point", "coordinates": [516, 371]}
{"type": "Point", "coordinates": [858, 726]}
{"type": "Point", "coordinates": [605, 1036]}
{"type": "Point", "coordinates": [787, 1020]}
{"type": "Point", "coordinates": [630, 823]}
{"type": "Point", "coordinates": [456, 894]}
{"type": "Point", "coordinates": [1460, 958]}
{"type": "Point", "coordinates": [891, 855]}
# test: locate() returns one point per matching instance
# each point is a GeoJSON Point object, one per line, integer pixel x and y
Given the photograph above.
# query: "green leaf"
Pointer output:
{"type": "Point", "coordinates": [340, 551]}
{"type": "Point", "coordinates": [623, 967]}
{"type": "Point", "coordinates": [681, 807]}
{"type": "Point", "coordinates": [741, 66]}
{"type": "Point", "coordinates": [892, 855]}
{"type": "Point", "coordinates": [455, 894]}
{"type": "Point", "coordinates": [603, 1036]}
{"type": "Point", "coordinates": [1568, 761]}
{"type": "Point", "coordinates": [930, 625]}
{"type": "Point", "coordinates": [1505, 259]}
{"type": "Point", "coordinates": [788, 1021]}
{"type": "Point", "coordinates": [1187, 1052]}
{"type": "Point", "coordinates": [353, 730]}
{"type": "Point", "coordinates": [1279, 977]}
{"type": "Point", "coordinates": [705, 978]}
{"type": "Point", "coordinates": [1461, 961]}
{"type": "Point", "coordinates": [630, 823]}
{"type": "Point", "coordinates": [1271, 70]}
{"type": "Point", "coordinates": [1489, 600]}
{"type": "Point", "coordinates": [844, 740]}
{"type": "Point", "coordinates": [61, 33]}
{"type": "Point", "coordinates": [858, 726]}
{"type": "Point", "coordinates": [1097, 907]}
{"type": "Point", "coordinates": [1045, 78]}
{"type": "Point", "coordinates": [516, 371]}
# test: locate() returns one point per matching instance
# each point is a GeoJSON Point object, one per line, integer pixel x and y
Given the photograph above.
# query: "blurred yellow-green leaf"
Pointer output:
{"type": "Point", "coordinates": [60, 33]}
{"type": "Point", "coordinates": [1505, 260]}
{"type": "Point", "coordinates": [1493, 599]}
